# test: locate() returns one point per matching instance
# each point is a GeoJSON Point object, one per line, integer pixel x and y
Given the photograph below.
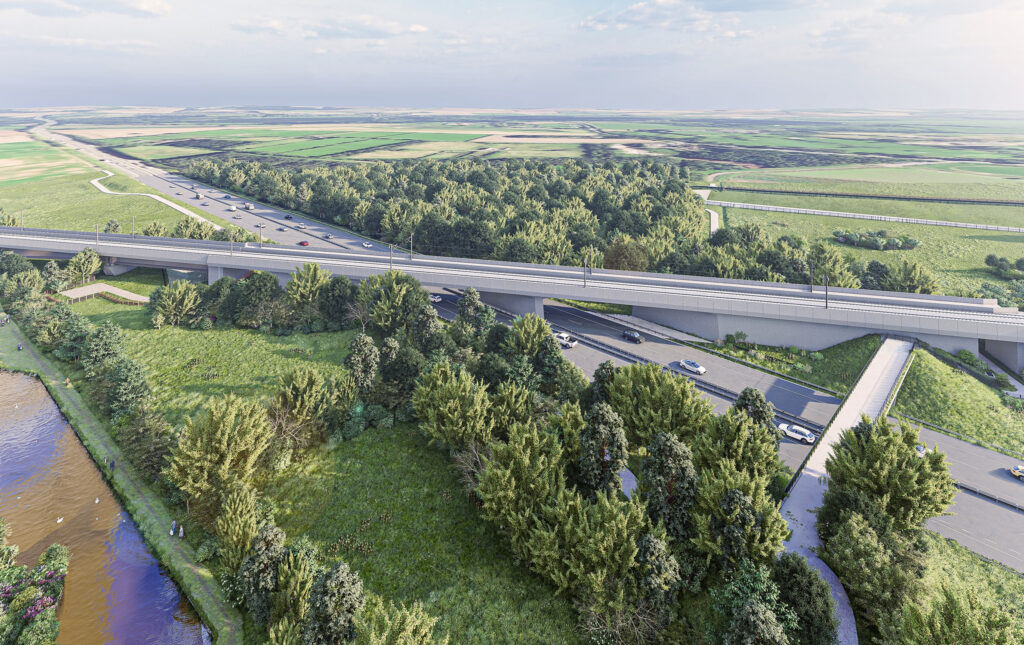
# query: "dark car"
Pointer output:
{"type": "Point", "coordinates": [633, 336]}
{"type": "Point", "coordinates": [287, 216]}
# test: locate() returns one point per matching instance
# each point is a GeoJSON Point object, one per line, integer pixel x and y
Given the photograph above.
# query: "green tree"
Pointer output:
{"type": "Point", "coordinates": [910, 277]}
{"type": "Point", "coordinates": [651, 400]}
{"type": "Point", "coordinates": [237, 526]}
{"type": "Point", "coordinates": [380, 624]}
{"type": "Point", "coordinates": [626, 254]}
{"type": "Point", "coordinates": [603, 451]}
{"type": "Point", "coordinates": [155, 229]}
{"type": "Point", "coordinates": [128, 386]}
{"type": "Point", "coordinates": [750, 598]}
{"type": "Point", "coordinates": [74, 332]}
{"type": "Point", "coordinates": [668, 483]}
{"type": "Point", "coordinates": [803, 590]}
{"type": "Point", "coordinates": [113, 226]}
{"type": "Point", "coordinates": [258, 575]}
{"type": "Point", "coordinates": [755, 624]}
{"type": "Point", "coordinates": [959, 616]}
{"type": "Point", "coordinates": [519, 477]}
{"type": "Point", "coordinates": [362, 361]}
{"type": "Point", "coordinates": [220, 449]}
{"type": "Point", "coordinates": [526, 336]}
{"type": "Point", "coordinates": [104, 345]}
{"type": "Point", "coordinates": [84, 265]}
{"type": "Point", "coordinates": [255, 299]}
{"type": "Point", "coordinates": [453, 408]}
{"type": "Point", "coordinates": [510, 404]}
{"type": "Point", "coordinates": [54, 277]}
{"type": "Point", "coordinates": [294, 583]}
{"type": "Point", "coordinates": [300, 407]}
{"type": "Point", "coordinates": [734, 436]}
{"type": "Point", "coordinates": [879, 461]}
{"type": "Point", "coordinates": [146, 437]}
{"type": "Point", "coordinates": [472, 312]}
{"type": "Point", "coordinates": [335, 601]}
{"type": "Point", "coordinates": [305, 288]}
{"type": "Point", "coordinates": [402, 369]}
{"type": "Point", "coordinates": [658, 577]}
{"type": "Point", "coordinates": [285, 632]}
{"type": "Point", "coordinates": [178, 303]}
{"type": "Point", "coordinates": [736, 519]}
{"type": "Point", "coordinates": [7, 219]}
{"type": "Point", "coordinates": [759, 409]}
{"type": "Point", "coordinates": [335, 298]}
{"type": "Point", "coordinates": [604, 376]}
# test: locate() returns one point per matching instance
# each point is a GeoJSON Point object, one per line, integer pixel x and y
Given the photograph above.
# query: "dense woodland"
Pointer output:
{"type": "Point", "coordinates": [638, 216]}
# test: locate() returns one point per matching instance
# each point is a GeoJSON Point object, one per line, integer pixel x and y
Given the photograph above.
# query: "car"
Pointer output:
{"type": "Point", "coordinates": [232, 209]}
{"type": "Point", "coordinates": [328, 236]}
{"type": "Point", "coordinates": [921, 450]}
{"type": "Point", "coordinates": [227, 196]}
{"type": "Point", "coordinates": [300, 225]}
{"type": "Point", "coordinates": [692, 366]}
{"type": "Point", "coordinates": [288, 217]}
{"type": "Point", "coordinates": [281, 228]}
{"type": "Point", "coordinates": [261, 225]}
{"type": "Point", "coordinates": [178, 193]}
{"type": "Point", "coordinates": [565, 340]}
{"type": "Point", "coordinates": [367, 245]}
{"type": "Point", "coordinates": [236, 217]}
{"type": "Point", "coordinates": [1018, 471]}
{"type": "Point", "coordinates": [633, 336]}
{"type": "Point", "coordinates": [205, 204]}
{"type": "Point", "coordinates": [304, 243]}
{"type": "Point", "coordinates": [435, 298]}
{"type": "Point", "coordinates": [796, 433]}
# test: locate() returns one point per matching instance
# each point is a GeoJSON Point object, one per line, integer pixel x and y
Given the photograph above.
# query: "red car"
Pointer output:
{"type": "Point", "coordinates": [304, 243]}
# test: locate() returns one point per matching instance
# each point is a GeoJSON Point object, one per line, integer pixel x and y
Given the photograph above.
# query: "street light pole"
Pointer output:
{"type": "Point", "coordinates": [391, 256]}
{"type": "Point", "coordinates": [811, 263]}
{"type": "Point", "coordinates": [826, 291]}
{"type": "Point", "coordinates": [97, 233]}
{"type": "Point", "coordinates": [410, 247]}
{"type": "Point", "coordinates": [133, 227]}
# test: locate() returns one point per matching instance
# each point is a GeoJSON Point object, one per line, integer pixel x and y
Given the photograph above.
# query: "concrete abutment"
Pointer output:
{"type": "Point", "coordinates": [514, 304]}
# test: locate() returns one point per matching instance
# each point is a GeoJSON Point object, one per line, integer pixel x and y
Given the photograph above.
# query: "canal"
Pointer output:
{"type": "Point", "coordinates": [51, 491]}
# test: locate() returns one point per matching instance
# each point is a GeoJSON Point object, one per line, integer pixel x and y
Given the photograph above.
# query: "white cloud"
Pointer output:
{"type": "Point", "coordinates": [650, 14]}
{"type": "Point", "coordinates": [82, 7]}
{"type": "Point", "coordinates": [363, 27]}
{"type": "Point", "coordinates": [122, 46]}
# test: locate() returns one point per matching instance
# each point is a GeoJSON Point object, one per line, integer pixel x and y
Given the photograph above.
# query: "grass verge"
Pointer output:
{"type": "Point", "coordinates": [949, 563]}
{"type": "Point", "coordinates": [937, 393]}
{"type": "Point", "coordinates": [599, 307]}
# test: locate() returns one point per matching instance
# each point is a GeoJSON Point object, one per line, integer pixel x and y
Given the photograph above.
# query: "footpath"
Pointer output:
{"type": "Point", "coordinates": [868, 397]}
{"type": "Point", "coordinates": [100, 287]}
{"type": "Point", "coordinates": [149, 513]}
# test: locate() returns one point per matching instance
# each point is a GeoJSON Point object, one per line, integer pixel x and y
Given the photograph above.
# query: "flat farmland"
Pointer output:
{"type": "Point", "coordinates": [162, 152]}
{"type": "Point", "coordinates": [26, 159]}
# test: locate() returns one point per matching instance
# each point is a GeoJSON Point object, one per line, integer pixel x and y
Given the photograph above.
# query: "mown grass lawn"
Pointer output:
{"type": "Point", "coordinates": [142, 280]}
{"type": "Point", "coordinates": [186, 366]}
{"type": "Point", "coordinates": [837, 370]}
{"type": "Point", "coordinates": [396, 510]}
{"type": "Point", "coordinates": [934, 392]}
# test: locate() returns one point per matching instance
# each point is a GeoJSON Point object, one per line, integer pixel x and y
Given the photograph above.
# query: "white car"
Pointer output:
{"type": "Point", "coordinates": [796, 433]}
{"type": "Point", "coordinates": [236, 217]}
{"type": "Point", "coordinates": [692, 366]}
{"type": "Point", "coordinates": [232, 209]}
{"type": "Point", "coordinates": [565, 340]}
{"type": "Point", "coordinates": [300, 225]}
{"type": "Point", "coordinates": [435, 298]}
{"type": "Point", "coordinates": [367, 245]}
{"type": "Point", "coordinates": [178, 193]}
{"type": "Point", "coordinates": [205, 204]}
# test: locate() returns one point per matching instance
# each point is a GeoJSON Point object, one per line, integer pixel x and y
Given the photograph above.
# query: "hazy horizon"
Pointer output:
{"type": "Point", "coordinates": [659, 55]}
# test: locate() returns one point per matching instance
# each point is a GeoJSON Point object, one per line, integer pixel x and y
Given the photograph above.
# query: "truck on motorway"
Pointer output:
{"type": "Point", "coordinates": [249, 207]}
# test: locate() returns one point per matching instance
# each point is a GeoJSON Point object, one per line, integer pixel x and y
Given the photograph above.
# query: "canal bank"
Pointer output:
{"type": "Point", "coordinates": [150, 515]}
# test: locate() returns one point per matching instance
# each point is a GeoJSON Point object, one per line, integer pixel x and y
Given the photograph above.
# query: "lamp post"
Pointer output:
{"type": "Point", "coordinates": [811, 263]}
{"type": "Point", "coordinates": [826, 291]}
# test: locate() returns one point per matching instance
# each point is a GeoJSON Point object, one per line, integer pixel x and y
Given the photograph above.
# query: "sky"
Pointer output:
{"type": "Point", "coordinates": [653, 54]}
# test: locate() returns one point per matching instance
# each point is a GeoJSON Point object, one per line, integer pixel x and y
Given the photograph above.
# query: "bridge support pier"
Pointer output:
{"type": "Point", "coordinates": [514, 304]}
{"type": "Point", "coordinates": [112, 267]}
{"type": "Point", "coordinates": [1008, 353]}
{"type": "Point", "coordinates": [214, 273]}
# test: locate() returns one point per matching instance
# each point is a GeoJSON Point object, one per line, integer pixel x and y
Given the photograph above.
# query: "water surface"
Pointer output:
{"type": "Point", "coordinates": [51, 491]}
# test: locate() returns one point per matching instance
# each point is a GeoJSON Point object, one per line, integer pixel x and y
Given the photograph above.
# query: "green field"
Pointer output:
{"type": "Point", "coordinates": [434, 547]}
{"type": "Point", "coordinates": [28, 161]}
{"type": "Point", "coordinates": [161, 152]}
{"type": "Point", "coordinates": [955, 256]}
{"type": "Point", "coordinates": [141, 281]}
{"type": "Point", "coordinates": [948, 563]}
{"type": "Point", "coordinates": [186, 366]}
{"type": "Point", "coordinates": [935, 392]}
{"type": "Point", "coordinates": [837, 370]}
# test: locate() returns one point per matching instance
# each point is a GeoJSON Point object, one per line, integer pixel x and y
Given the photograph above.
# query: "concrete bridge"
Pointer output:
{"type": "Point", "coordinates": [768, 312]}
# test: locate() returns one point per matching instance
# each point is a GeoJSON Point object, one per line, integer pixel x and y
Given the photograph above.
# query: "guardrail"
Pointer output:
{"type": "Point", "coordinates": [899, 383]}
{"type": "Point", "coordinates": [900, 198]}
{"type": "Point", "coordinates": [879, 218]}
{"type": "Point", "coordinates": [990, 496]}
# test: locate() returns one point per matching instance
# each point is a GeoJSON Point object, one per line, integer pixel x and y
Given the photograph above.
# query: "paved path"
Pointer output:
{"type": "Point", "coordinates": [149, 514]}
{"type": "Point", "coordinates": [162, 200]}
{"type": "Point", "coordinates": [879, 218]}
{"type": "Point", "coordinates": [868, 396]}
{"type": "Point", "coordinates": [100, 287]}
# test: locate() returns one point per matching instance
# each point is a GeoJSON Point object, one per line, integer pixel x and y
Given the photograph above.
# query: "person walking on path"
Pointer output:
{"type": "Point", "coordinates": [174, 525]}
{"type": "Point", "coordinates": [181, 532]}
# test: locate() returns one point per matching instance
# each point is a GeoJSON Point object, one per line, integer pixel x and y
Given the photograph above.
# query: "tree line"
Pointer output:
{"type": "Point", "coordinates": [638, 216]}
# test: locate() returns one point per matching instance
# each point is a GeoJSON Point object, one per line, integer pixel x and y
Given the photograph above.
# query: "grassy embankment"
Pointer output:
{"type": "Point", "coordinates": [937, 393]}
{"type": "Point", "coordinates": [836, 370]}
{"type": "Point", "coordinates": [386, 489]}
{"type": "Point", "coordinates": [949, 563]}
{"type": "Point", "coordinates": [599, 307]}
